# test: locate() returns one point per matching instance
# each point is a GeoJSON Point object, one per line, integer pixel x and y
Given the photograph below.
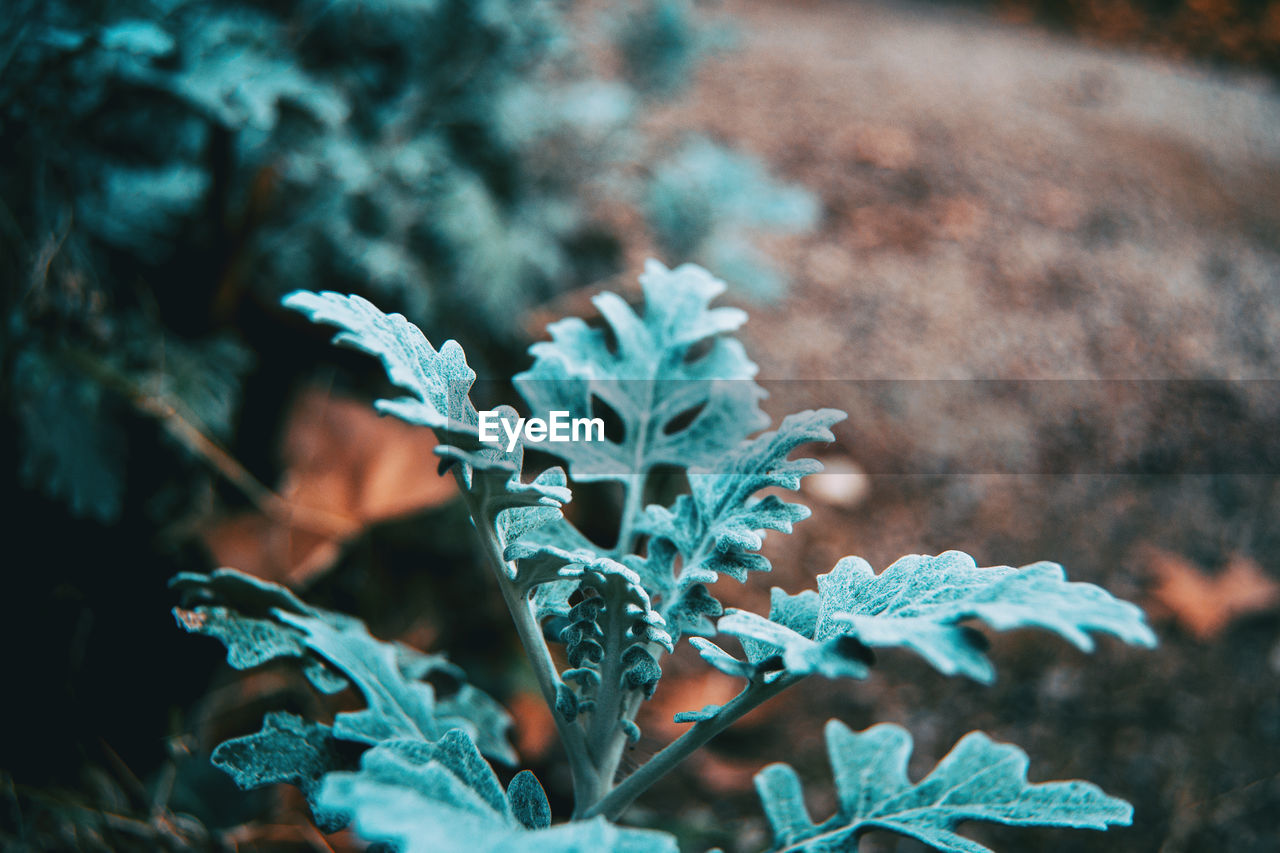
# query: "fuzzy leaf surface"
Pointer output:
{"type": "Point", "coordinates": [529, 801]}
{"type": "Point", "coordinates": [444, 797]}
{"type": "Point", "coordinates": [265, 621]}
{"type": "Point", "coordinates": [440, 382]}
{"type": "Point", "coordinates": [978, 780]}
{"type": "Point", "coordinates": [286, 749]}
{"type": "Point", "coordinates": [650, 378]}
{"type": "Point", "coordinates": [718, 528]}
{"type": "Point", "coordinates": [920, 603]}
{"type": "Point", "coordinates": [783, 644]}
{"type": "Point", "coordinates": [238, 609]}
{"type": "Point", "coordinates": [774, 649]}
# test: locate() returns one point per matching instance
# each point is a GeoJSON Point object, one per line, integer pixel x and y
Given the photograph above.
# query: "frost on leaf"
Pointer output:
{"type": "Point", "coordinates": [978, 780]}
{"type": "Point", "coordinates": [674, 363]}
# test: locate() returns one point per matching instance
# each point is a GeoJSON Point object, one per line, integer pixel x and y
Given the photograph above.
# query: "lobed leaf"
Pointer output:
{"type": "Point", "coordinates": [718, 527]}
{"type": "Point", "coordinates": [247, 628]}
{"type": "Point", "coordinates": [978, 780]}
{"type": "Point", "coordinates": [651, 378]}
{"type": "Point", "coordinates": [717, 524]}
{"type": "Point", "coordinates": [920, 603]}
{"type": "Point", "coordinates": [774, 649]}
{"type": "Point", "coordinates": [338, 651]}
{"type": "Point", "coordinates": [286, 749]}
{"type": "Point", "coordinates": [618, 586]}
{"type": "Point", "coordinates": [443, 797]}
{"type": "Point", "coordinates": [608, 630]}
{"type": "Point", "coordinates": [440, 382]}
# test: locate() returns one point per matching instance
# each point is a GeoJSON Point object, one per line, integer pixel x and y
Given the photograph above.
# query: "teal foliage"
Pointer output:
{"type": "Point", "coordinates": [529, 801]}
{"type": "Point", "coordinates": [259, 622]}
{"type": "Point", "coordinates": [439, 381]}
{"type": "Point", "coordinates": [287, 749]}
{"type": "Point", "coordinates": [718, 528]}
{"type": "Point", "coordinates": [684, 393]}
{"type": "Point", "coordinates": [708, 203]}
{"type": "Point", "coordinates": [444, 797]}
{"type": "Point", "coordinates": [440, 384]}
{"type": "Point", "coordinates": [74, 447]}
{"type": "Point", "coordinates": [71, 405]}
{"type": "Point", "coordinates": [660, 44]}
{"type": "Point", "coordinates": [650, 379]}
{"type": "Point", "coordinates": [920, 603]}
{"type": "Point", "coordinates": [978, 780]}
{"type": "Point", "coordinates": [189, 158]}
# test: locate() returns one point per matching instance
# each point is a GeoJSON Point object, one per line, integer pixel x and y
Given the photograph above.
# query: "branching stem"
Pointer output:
{"type": "Point", "coordinates": [609, 696]}
{"type": "Point", "coordinates": [631, 514]}
{"type": "Point", "coordinates": [585, 777]}
{"type": "Point", "coordinates": [613, 703]}
{"type": "Point", "coordinates": [616, 801]}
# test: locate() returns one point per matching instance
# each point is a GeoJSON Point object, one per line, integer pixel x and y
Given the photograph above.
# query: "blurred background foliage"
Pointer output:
{"type": "Point", "coordinates": [171, 168]}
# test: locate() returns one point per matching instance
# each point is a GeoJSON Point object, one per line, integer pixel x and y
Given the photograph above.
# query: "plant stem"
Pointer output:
{"type": "Point", "coordinates": [616, 801]}
{"type": "Point", "coordinates": [630, 515]}
{"type": "Point", "coordinates": [585, 777]}
{"type": "Point", "coordinates": [609, 696]}
{"type": "Point", "coordinates": [613, 703]}
{"type": "Point", "coordinates": [609, 757]}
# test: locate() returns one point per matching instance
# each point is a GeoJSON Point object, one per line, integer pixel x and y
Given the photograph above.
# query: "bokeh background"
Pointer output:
{"type": "Point", "coordinates": [1032, 247]}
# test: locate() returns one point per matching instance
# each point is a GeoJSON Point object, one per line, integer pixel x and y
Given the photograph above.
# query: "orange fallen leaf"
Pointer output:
{"type": "Point", "coordinates": [535, 730]}
{"type": "Point", "coordinates": [723, 775]}
{"type": "Point", "coordinates": [1205, 603]}
{"type": "Point", "coordinates": [346, 468]}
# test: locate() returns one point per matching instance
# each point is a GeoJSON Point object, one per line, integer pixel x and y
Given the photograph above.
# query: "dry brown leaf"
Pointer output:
{"type": "Point", "coordinates": [535, 730]}
{"type": "Point", "coordinates": [345, 469]}
{"type": "Point", "coordinates": [722, 775]}
{"type": "Point", "coordinates": [1204, 603]}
